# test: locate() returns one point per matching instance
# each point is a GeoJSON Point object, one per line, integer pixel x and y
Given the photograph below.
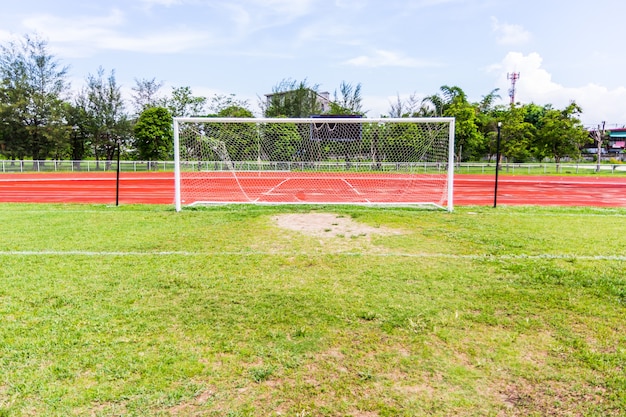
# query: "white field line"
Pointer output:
{"type": "Point", "coordinates": [271, 190]}
{"type": "Point", "coordinates": [353, 188]}
{"type": "Point", "coordinates": [620, 258]}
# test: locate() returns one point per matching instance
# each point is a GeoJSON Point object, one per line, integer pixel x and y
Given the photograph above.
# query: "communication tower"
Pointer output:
{"type": "Point", "coordinates": [514, 76]}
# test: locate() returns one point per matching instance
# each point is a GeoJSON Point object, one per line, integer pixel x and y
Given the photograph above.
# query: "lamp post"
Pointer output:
{"type": "Point", "coordinates": [495, 192]}
{"type": "Point", "coordinates": [117, 176]}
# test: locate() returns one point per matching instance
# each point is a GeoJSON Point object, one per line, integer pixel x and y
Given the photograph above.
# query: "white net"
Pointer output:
{"type": "Point", "coordinates": [319, 160]}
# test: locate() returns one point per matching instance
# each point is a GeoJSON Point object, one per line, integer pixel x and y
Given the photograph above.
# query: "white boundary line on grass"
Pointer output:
{"type": "Point", "coordinates": [619, 258]}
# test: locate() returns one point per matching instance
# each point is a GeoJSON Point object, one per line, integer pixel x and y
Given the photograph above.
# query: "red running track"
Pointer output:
{"type": "Point", "coordinates": [158, 188]}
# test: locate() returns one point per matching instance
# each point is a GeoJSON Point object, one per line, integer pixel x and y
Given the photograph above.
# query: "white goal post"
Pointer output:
{"type": "Point", "coordinates": [315, 160]}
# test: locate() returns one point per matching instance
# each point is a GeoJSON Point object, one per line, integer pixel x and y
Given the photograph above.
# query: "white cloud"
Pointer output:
{"type": "Point", "coordinates": [83, 36]}
{"type": "Point", "coordinates": [247, 17]}
{"type": "Point", "coordinates": [508, 34]}
{"type": "Point", "coordinates": [73, 29]}
{"type": "Point", "coordinates": [537, 86]}
{"type": "Point", "coordinates": [382, 58]}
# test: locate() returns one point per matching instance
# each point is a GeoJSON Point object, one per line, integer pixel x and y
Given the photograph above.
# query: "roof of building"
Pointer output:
{"type": "Point", "coordinates": [617, 133]}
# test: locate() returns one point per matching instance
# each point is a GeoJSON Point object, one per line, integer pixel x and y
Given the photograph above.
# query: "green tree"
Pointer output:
{"type": "Point", "coordinates": [410, 107]}
{"type": "Point", "coordinates": [78, 121]}
{"type": "Point", "coordinates": [487, 122]}
{"type": "Point", "coordinates": [183, 103]}
{"type": "Point", "coordinates": [281, 142]}
{"type": "Point", "coordinates": [108, 123]}
{"type": "Point", "coordinates": [468, 140]}
{"type": "Point", "coordinates": [397, 143]}
{"type": "Point", "coordinates": [31, 100]}
{"type": "Point", "coordinates": [561, 134]}
{"type": "Point", "coordinates": [441, 101]}
{"type": "Point", "coordinates": [517, 135]}
{"type": "Point", "coordinates": [241, 139]}
{"type": "Point", "coordinates": [452, 102]}
{"type": "Point", "coordinates": [145, 94]}
{"type": "Point", "coordinates": [154, 135]}
{"type": "Point", "coordinates": [229, 103]}
{"type": "Point", "coordinates": [348, 101]}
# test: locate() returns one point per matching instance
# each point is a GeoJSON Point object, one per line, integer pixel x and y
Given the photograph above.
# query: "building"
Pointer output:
{"type": "Point", "coordinates": [321, 99]}
{"type": "Point", "coordinates": [617, 141]}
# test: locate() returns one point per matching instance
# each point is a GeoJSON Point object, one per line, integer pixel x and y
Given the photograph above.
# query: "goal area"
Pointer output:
{"type": "Point", "coordinates": [315, 160]}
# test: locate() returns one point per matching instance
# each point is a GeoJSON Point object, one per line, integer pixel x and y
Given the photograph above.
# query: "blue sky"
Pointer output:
{"type": "Point", "coordinates": [563, 50]}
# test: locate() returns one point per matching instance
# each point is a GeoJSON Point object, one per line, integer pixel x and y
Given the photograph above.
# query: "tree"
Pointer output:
{"type": "Point", "coordinates": [410, 107]}
{"type": "Point", "coordinates": [78, 121]}
{"type": "Point", "coordinates": [561, 133]}
{"type": "Point", "coordinates": [240, 139]}
{"type": "Point", "coordinates": [234, 111]}
{"type": "Point", "coordinates": [517, 134]}
{"type": "Point", "coordinates": [146, 94]}
{"type": "Point", "coordinates": [348, 101]}
{"type": "Point", "coordinates": [486, 123]}
{"type": "Point", "coordinates": [281, 142]}
{"type": "Point", "coordinates": [440, 102]}
{"type": "Point", "coordinates": [154, 135]}
{"type": "Point", "coordinates": [220, 102]}
{"type": "Point", "coordinates": [452, 102]}
{"type": "Point", "coordinates": [183, 103]}
{"type": "Point", "coordinates": [31, 99]}
{"type": "Point", "coordinates": [108, 122]}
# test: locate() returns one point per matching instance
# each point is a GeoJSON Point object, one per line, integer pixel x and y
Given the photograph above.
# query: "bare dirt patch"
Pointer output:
{"type": "Point", "coordinates": [329, 225]}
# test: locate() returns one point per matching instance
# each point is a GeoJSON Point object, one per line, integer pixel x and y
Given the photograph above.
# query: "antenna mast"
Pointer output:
{"type": "Point", "coordinates": [514, 76]}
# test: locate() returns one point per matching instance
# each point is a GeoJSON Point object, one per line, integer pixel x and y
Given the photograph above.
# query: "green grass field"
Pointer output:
{"type": "Point", "coordinates": [139, 310]}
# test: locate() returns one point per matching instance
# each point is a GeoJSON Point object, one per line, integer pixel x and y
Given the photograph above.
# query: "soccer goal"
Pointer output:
{"type": "Point", "coordinates": [316, 160]}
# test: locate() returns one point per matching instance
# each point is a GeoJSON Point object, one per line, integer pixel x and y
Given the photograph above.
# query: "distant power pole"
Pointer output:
{"type": "Point", "coordinates": [514, 76]}
{"type": "Point", "coordinates": [598, 136]}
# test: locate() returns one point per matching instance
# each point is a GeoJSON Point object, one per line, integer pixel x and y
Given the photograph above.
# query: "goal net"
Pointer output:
{"type": "Point", "coordinates": [316, 160]}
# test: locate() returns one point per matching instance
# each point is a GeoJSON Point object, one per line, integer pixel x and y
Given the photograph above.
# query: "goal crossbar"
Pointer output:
{"type": "Point", "coordinates": [316, 160]}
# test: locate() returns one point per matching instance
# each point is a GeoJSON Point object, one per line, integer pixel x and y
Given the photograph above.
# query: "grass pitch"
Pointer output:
{"type": "Point", "coordinates": [139, 310]}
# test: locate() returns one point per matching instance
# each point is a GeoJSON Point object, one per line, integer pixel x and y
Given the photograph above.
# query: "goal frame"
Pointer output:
{"type": "Point", "coordinates": [319, 119]}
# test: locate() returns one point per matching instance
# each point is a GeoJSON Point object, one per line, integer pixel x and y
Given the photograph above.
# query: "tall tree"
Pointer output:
{"type": "Point", "coordinates": [183, 103]}
{"type": "Point", "coordinates": [33, 85]}
{"type": "Point", "coordinates": [487, 122]}
{"type": "Point", "coordinates": [78, 121]}
{"type": "Point", "coordinates": [441, 101]}
{"type": "Point", "coordinates": [561, 133]}
{"type": "Point", "coordinates": [145, 94]}
{"type": "Point", "coordinates": [410, 107]}
{"type": "Point", "coordinates": [348, 101]}
{"type": "Point", "coordinates": [452, 101]}
{"type": "Point", "coordinates": [517, 134]}
{"type": "Point", "coordinates": [108, 122]}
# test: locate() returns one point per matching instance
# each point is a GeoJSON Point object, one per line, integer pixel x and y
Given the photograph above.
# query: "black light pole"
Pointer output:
{"type": "Point", "coordinates": [495, 192]}
{"type": "Point", "coordinates": [117, 177]}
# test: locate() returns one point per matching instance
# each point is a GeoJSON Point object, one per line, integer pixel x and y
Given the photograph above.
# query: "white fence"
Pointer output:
{"type": "Point", "coordinates": [8, 166]}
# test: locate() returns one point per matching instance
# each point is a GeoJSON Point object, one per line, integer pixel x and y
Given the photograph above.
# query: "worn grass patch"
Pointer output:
{"type": "Point", "coordinates": [139, 310]}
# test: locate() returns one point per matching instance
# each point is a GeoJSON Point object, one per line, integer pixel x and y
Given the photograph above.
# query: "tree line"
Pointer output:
{"type": "Point", "coordinates": [42, 118]}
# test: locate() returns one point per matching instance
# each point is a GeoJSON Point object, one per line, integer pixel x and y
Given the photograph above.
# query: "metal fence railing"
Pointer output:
{"type": "Point", "coordinates": [8, 166]}
{"type": "Point", "coordinates": [34, 166]}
